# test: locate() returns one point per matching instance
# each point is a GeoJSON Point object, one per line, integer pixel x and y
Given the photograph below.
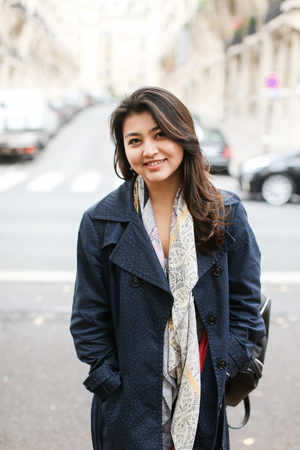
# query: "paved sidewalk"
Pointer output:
{"type": "Point", "coordinates": [45, 407]}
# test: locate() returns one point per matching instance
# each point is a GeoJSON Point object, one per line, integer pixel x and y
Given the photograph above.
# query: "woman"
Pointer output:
{"type": "Point", "coordinates": [167, 288]}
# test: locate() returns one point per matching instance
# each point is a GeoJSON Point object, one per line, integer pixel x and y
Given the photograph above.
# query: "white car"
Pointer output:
{"type": "Point", "coordinates": [23, 121]}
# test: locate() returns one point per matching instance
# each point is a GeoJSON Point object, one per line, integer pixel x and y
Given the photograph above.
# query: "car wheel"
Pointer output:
{"type": "Point", "coordinates": [277, 189]}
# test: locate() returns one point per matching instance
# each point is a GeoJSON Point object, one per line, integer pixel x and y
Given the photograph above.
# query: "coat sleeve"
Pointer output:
{"type": "Point", "coordinates": [246, 325]}
{"type": "Point", "coordinates": [91, 316]}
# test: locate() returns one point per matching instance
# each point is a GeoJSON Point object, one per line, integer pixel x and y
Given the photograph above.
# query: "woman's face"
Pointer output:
{"type": "Point", "coordinates": [150, 152]}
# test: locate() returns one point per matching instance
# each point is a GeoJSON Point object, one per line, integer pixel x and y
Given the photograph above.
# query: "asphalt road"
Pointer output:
{"type": "Point", "coordinates": [44, 405]}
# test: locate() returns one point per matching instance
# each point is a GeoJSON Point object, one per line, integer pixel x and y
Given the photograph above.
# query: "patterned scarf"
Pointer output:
{"type": "Point", "coordinates": [181, 350]}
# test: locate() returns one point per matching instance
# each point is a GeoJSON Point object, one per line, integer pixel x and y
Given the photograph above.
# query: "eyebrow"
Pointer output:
{"type": "Point", "coordinates": [139, 134]}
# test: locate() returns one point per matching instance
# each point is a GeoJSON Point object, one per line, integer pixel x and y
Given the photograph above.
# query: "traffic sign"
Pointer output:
{"type": "Point", "coordinates": [272, 81]}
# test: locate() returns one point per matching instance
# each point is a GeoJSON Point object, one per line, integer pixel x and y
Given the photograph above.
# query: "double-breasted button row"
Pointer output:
{"type": "Point", "coordinates": [217, 271]}
{"type": "Point", "coordinates": [222, 364]}
{"type": "Point", "coordinates": [211, 320]}
{"type": "Point", "coordinates": [135, 282]}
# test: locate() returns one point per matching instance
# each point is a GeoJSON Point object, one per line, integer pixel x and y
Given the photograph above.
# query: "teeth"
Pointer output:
{"type": "Point", "coordinates": [155, 163]}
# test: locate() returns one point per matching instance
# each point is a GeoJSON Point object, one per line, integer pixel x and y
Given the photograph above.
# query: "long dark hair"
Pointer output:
{"type": "Point", "coordinates": [203, 200]}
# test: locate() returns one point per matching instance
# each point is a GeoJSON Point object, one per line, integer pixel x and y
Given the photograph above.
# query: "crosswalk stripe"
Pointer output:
{"type": "Point", "coordinates": [86, 182]}
{"type": "Point", "coordinates": [45, 182]}
{"type": "Point", "coordinates": [10, 179]}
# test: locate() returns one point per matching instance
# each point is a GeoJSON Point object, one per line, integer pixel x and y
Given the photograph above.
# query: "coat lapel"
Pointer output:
{"type": "Point", "coordinates": [205, 261]}
{"type": "Point", "coordinates": [135, 254]}
{"type": "Point", "coordinates": [134, 251]}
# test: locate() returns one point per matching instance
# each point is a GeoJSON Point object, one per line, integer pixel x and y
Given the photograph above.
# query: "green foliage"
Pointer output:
{"type": "Point", "coordinates": [252, 20]}
{"type": "Point", "coordinates": [252, 24]}
{"type": "Point", "coordinates": [202, 3]}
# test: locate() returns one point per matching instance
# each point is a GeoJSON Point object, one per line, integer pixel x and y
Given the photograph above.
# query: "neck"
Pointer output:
{"type": "Point", "coordinates": [164, 193]}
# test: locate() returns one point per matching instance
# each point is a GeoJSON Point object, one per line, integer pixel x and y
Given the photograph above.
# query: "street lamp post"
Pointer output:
{"type": "Point", "coordinates": [271, 83]}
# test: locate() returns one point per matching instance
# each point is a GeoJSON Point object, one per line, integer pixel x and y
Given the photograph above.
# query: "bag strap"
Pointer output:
{"type": "Point", "coordinates": [246, 416]}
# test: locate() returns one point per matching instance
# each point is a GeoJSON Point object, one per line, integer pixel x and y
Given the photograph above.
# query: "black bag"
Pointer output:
{"type": "Point", "coordinates": [238, 387]}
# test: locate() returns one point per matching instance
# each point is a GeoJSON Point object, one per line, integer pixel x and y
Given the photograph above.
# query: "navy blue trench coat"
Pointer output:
{"type": "Point", "coordinates": [122, 303]}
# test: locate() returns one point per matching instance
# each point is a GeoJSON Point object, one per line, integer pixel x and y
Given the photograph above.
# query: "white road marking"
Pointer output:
{"type": "Point", "coordinates": [10, 179]}
{"type": "Point", "coordinates": [86, 182]}
{"type": "Point", "coordinates": [280, 277]}
{"type": "Point", "coordinates": [45, 182]}
{"type": "Point", "coordinates": [68, 276]}
{"type": "Point", "coordinates": [37, 276]}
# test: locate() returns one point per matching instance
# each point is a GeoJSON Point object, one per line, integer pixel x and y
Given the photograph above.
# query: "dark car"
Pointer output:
{"type": "Point", "coordinates": [214, 146]}
{"type": "Point", "coordinates": [275, 175]}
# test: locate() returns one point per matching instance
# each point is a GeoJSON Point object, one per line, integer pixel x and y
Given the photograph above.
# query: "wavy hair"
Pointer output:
{"type": "Point", "coordinates": [204, 201]}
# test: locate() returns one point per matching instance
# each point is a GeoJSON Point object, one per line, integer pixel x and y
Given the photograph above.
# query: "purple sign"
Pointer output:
{"type": "Point", "coordinates": [272, 81]}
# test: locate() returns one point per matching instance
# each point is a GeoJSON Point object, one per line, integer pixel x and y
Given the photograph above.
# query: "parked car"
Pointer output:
{"type": "Point", "coordinates": [275, 175]}
{"type": "Point", "coordinates": [52, 121]}
{"type": "Point", "coordinates": [214, 146]}
{"type": "Point", "coordinates": [24, 123]}
{"type": "Point", "coordinates": [64, 110]}
{"type": "Point", "coordinates": [77, 100]}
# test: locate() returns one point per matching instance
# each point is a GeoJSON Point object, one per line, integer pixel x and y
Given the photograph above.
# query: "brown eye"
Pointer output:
{"type": "Point", "coordinates": [133, 141]}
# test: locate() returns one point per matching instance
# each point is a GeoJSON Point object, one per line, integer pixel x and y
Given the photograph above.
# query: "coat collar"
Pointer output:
{"type": "Point", "coordinates": [118, 205]}
{"type": "Point", "coordinates": [133, 251]}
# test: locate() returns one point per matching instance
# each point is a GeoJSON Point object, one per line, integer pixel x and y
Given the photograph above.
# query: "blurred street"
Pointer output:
{"type": "Point", "coordinates": [44, 405]}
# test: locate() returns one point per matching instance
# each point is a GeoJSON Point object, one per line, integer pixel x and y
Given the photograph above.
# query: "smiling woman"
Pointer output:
{"type": "Point", "coordinates": [151, 153]}
{"type": "Point", "coordinates": [167, 287]}
{"type": "Point", "coordinates": [176, 127]}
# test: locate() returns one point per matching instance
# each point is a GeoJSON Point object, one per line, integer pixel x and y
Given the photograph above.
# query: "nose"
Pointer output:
{"type": "Point", "coordinates": [150, 148]}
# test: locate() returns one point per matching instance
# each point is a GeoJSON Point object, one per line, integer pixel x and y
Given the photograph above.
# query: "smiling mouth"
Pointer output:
{"type": "Point", "coordinates": [155, 163]}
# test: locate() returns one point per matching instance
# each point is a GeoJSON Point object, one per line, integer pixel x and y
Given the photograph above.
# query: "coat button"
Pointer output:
{"type": "Point", "coordinates": [211, 320]}
{"type": "Point", "coordinates": [217, 271]}
{"type": "Point", "coordinates": [222, 364]}
{"type": "Point", "coordinates": [135, 282]}
{"type": "Point", "coordinates": [245, 365]}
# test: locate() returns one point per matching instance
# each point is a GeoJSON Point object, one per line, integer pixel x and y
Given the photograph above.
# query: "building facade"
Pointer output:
{"type": "Point", "coordinates": [110, 45]}
{"type": "Point", "coordinates": [39, 44]}
{"type": "Point", "coordinates": [242, 67]}
{"type": "Point", "coordinates": [133, 35]}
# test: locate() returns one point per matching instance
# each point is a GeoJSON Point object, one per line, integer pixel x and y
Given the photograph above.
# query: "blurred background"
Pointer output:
{"type": "Point", "coordinates": [64, 66]}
